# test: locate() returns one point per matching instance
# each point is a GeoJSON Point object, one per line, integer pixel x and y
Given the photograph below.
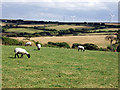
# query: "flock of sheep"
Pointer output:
{"type": "Point", "coordinates": [24, 52]}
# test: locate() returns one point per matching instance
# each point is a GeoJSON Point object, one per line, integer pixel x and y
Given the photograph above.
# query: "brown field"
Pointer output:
{"type": "Point", "coordinates": [3, 24]}
{"type": "Point", "coordinates": [112, 29]}
{"type": "Point", "coordinates": [112, 23]}
{"type": "Point", "coordinates": [96, 39]}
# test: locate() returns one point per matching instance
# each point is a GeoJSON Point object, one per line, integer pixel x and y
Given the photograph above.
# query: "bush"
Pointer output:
{"type": "Point", "coordinates": [114, 46]}
{"type": "Point", "coordinates": [37, 42]}
{"type": "Point", "coordinates": [88, 46]}
{"type": "Point", "coordinates": [118, 48]}
{"type": "Point", "coordinates": [103, 49]}
{"type": "Point", "coordinates": [9, 41]}
{"type": "Point", "coordinates": [75, 45]}
{"type": "Point", "coordinates": [62, 44]}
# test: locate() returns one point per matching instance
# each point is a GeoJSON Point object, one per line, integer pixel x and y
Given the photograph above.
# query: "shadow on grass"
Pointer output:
{"type": "Point", "coordinates": [15, 58]}
{"type": "Point", "coordinates": [36, 50]}
{"type": "Point", "coordinates": [12, 57]}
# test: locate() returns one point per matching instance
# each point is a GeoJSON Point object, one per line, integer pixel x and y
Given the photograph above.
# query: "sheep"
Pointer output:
{"type": "Point", "coordinates": [81, 47]}
{"type": "Point", "coordinates": [28, 43]}
{"type": "Point", "coordinates": [38, 46]}
{"type": "Point", "coordinates": [22, 52]}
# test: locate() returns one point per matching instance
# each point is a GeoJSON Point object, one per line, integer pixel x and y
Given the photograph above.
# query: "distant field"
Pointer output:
{"type": "Point", "coordinates": [95, 39]}
{"type": "Point", "coordinates": [59, 68]}
{"type": "Point", "coordinates": [19, 30]}
{"type": "Point", "coordinates": [107, 29]}
{"type": "Point", "coordinates": [112, 23]}
{"type": "Point", "coordinates": [32, 25]}
{"type": "Point", "coordinates": [64, 27]}
{"type": "Point", "coordinates": [3, 24]}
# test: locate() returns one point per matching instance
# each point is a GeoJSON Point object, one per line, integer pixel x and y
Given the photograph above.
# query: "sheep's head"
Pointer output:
{"type": "Point", "coordinates": [28, 55]}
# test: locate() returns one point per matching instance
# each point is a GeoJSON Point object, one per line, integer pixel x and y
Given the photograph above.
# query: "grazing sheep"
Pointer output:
{"type": "Point", "coordinates": [81, 47]}
{"type": "Point", "coordinates": [22, 52]}
{"type": "Point", "coordinates": [28, 43]}
{"type": "Point", "coordinates": [38, 46]}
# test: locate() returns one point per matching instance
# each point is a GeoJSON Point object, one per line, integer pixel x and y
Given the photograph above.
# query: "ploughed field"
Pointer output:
{"type": "Point", "coordinates": [59, 68]}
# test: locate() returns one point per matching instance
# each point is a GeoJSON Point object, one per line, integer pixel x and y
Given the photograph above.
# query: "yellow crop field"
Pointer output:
{"type": "Point", "coordinates": [95, 39]}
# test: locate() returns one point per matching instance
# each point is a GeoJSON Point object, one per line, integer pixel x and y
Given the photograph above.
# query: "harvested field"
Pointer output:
{"type": "Point", "coordinates": [96, 39]}
{"type": "Point", "coordinates": [64, 27]}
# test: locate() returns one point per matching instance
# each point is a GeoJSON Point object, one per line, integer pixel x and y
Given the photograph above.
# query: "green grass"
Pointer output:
{"type": "Point", "coordinates": [59, 68]}
{"type": "Point", "coordinates": [107, 29]}
{"type": "Point", "coordinates": [65, 27]}
{"type": "Point", "coordinates": [19, 30]}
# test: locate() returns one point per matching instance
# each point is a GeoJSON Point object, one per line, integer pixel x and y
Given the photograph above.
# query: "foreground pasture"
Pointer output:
{"type": "Point", "coordinates": [59, 68]}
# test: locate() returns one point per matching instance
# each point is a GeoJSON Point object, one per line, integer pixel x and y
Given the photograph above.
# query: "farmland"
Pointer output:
{"type": "Point", "coordinates": [33, 25]}
{"type": "Point", "coordinates": [107, 29]}
{"type": "Point", "coordinates": [96, 39]}
{"type": "Point", "coordinates": [64, 27]}
{"type": "Point", "coordinates": [19, 30]}
{"type": "Point", "coordinates": [59, 68]}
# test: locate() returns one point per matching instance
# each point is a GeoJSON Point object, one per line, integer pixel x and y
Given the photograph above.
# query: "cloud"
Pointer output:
{"type": "Point", "coordinates": [70, 5]}
{"type": "Point", "coordinates": [52, 10]}
{"type": "Point", "coordinates": [60, 0]}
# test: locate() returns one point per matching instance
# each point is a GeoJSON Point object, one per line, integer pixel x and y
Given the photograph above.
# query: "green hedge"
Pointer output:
{"type": "Point", "coordinates": [118, 48]}
{"type": "Point", "coordinates": [37, 42]}
{"type": "Point", "coordinates": [88, 46]}
{"type": "Point", "coordinates": [9, 41]}
{"type": "Point", "coordinates": [62, 44]}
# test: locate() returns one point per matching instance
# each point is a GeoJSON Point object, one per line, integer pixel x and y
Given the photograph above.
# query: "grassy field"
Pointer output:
{"type": "Point", "coordinates": [59, 68]}
{"type": "Point", "coordinates": [64, 27]}
{"type": "Point", "coordinates": [19, 30]}
{"type": "Point", "coordinates": [95, 39]}
{"type": "Point", "coordinates": [107, 29]}
{"type": "Point", "coordinates": [32, 25]}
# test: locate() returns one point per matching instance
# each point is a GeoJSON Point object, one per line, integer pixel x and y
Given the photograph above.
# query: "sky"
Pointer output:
{"type": "Point", "coordinates": [60, 10]}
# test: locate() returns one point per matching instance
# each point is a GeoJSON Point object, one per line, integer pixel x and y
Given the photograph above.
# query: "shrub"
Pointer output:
{"type": "Point", "coordinates": [9, 41]}
{"type": "Point", "coordinates": [75, 45]}
{"type": "Point", "coordinates": [90, 46]}
{"type": "Point", "coordinates": [114, 46]}
{"type": "Point", "coordinates": [103, 49]}
{"type": "Point", "coordinates": [37, 42]}
{"type": "Point", "coordinates": [118, 48]}
{"type": "Point", "coordinates": [62, 44]}
{"type": "Point", "coordinates": [87, 46]}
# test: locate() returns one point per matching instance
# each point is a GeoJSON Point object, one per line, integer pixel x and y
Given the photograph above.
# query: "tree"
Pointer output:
{"type": "Point", "coordinates": [118, 36]}
{"type": "Point", "coordinates": [111, 39]}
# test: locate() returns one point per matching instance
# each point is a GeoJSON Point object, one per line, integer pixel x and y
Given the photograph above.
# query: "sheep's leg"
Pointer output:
{"type": "Point", "coordinates": [78, 49]}
{"type": "Point", "coordinates": [21, 56]}
{"type": "Point", "coordinates": [15, 55]}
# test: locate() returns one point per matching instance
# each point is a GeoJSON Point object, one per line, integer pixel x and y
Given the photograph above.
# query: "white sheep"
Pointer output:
{"type": "Point", "coordinates": [22, 52]}
{"type": "Point", "coordinates": [38, 46]}
{"type": "Point", "coordinates": [81, 47]}
{"type": "Point", "coordinates": [28, 43]}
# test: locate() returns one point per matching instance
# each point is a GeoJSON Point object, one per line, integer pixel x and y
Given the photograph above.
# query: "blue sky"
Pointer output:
{"type": "Point", "coordinates": [64, 10]}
